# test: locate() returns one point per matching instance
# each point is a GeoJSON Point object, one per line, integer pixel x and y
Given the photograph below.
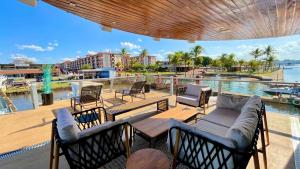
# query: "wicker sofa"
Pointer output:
{"type": "Point", "coordinates": [225, 138]}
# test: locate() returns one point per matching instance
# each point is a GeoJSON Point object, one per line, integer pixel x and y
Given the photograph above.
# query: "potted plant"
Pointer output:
{"type": "Point", "coordinates": [47, 95]}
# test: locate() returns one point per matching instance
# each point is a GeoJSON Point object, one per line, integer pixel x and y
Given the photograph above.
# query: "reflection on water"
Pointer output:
{"type": "Point", "coordinates": [24, 101]}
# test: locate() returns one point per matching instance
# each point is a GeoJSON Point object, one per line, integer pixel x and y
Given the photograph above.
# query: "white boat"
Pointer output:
{"type": "Point", "coordinates": [283, 90]}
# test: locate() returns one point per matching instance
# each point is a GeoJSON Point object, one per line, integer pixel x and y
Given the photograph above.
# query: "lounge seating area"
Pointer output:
{"type": "Point", "coordinates": [225, 138]}
{"type": "Point", "coordinates": [230, 134]}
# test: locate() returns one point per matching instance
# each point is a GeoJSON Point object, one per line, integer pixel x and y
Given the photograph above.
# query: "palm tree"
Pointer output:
{"type": "Point", "coordinates": [196, 54]}
{"type": "Point", "coordinates": [241, 63]}
{"type": "Point", "coordinates": [270, 53]}
{"type": "Point", "coordinates": [186, 58]}
{"type": "Point", "coordinates": [270, 61]}
{"type": "Point", "coordinates": [144, 53]}
{"type": "Point", "coordinates": [256, 53]}
{"type": "Point", "coordinates": [124, 54]}
{"type": "Point", "coordinates": [175, 60]}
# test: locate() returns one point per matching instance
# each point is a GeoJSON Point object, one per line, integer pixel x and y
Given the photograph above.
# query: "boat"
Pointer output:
{"type": "Point", "coordinates": [283, 90]}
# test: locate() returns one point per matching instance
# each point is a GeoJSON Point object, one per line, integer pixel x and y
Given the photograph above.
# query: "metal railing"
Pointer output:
{"type": "Point", "coordinates": [216, 83]}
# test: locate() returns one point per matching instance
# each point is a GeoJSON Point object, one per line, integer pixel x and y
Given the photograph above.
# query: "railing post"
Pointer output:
{"type": "Point", "coordinates": [171, 85]}
{"type": "Point", "coordinates": [34, 95]}
{"type": "Point", "coordinates": [75, 89]}
{"type": "Point", "coordinates": [80, 86]}
{"type": "Point", "coordinates": [111, 84]}
{"type": "Point", "coordinates": [219, 87]}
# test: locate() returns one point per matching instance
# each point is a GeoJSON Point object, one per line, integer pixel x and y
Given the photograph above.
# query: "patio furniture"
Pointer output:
{"type": "Point", "coordinates": [89, 95]}
{"type": "Point", "coordinates": [156, 126]}
{"type": "Point", "coordinates": [148, 159]}
{"type": "Point", "coordinates": [162, 105]}
{"type": "Point", "coordinates": [225, 138]}
{"type": "Point", "coordinates": [193, 95]}
{"type": "Point", "coordinates": [137, 88]}
{"type": "Point", "coordinates": [84, 142]}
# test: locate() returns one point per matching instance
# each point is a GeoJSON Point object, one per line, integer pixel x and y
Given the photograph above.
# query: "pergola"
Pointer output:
{"type": "Point", "coordinates": [191, 20]}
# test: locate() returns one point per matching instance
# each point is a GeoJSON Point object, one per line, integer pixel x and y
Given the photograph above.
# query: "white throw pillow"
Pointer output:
{"type": "Point", "coordinates": [66, 126]}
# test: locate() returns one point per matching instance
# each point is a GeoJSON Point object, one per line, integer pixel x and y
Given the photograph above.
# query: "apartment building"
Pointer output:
{"type": "Point", "coordinates": [145, 60]}
{"type": "Point", "coordinates": [98, 60]}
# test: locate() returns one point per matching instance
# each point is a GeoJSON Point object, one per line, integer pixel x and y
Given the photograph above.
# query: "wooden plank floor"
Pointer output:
{"type": "Point", "coordinates": [26, 128]}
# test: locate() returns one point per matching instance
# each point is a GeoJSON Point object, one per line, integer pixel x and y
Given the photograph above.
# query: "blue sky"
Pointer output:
{"type": "Point", "coordinates": [49, 35]}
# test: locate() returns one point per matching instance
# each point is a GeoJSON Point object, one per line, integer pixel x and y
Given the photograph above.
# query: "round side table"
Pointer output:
{"type": "Point", "coordinates": [148, 159]}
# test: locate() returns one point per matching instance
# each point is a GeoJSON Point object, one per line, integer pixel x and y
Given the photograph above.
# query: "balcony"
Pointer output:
{"type": "Point", "coordinates": [27, 144]}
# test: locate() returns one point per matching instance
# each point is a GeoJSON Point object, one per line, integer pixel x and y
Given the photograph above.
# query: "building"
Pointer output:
{"type": "Point", "coordinates": [145, 60]}
{"type": "Point", "coordinates": [103, 60]}
{"type": "Point", "coordinates": [98, 60]}
{"type": "Point", "coordinates": [24, 70]}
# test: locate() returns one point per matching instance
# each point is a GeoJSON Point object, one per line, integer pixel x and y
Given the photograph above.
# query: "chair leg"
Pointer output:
{"type": "Point", "coordinates": [56, 156]}
{"type": "Point", "coordinates": [266, 128]}
{"type": "Point", "coordinates": [255, 160]}
{"type": "Point", "coordinates": [263, 145]}
{"type": "Point", "coordinates": [51, 150]}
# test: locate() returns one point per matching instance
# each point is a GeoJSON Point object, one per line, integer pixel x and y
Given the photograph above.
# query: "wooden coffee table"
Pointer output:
{"type": "Point", "coordinates": [157, 125]}
{"type": "Point", "coordinates": [148, 159]}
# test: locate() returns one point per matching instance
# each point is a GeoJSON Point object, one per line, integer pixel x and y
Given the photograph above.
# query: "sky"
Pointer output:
{"type": "Point", "coordinates": [46, 34]}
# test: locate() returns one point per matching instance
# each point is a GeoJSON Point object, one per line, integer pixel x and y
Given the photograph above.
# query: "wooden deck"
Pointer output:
{"type": "Point", "coordinates": [30, 127]}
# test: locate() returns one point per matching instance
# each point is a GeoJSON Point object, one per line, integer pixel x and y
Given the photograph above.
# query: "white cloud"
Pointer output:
{"type": "Point", "coordinates": [139, 39]}
{"type": "Point", "coordinates": [78, 51]}
{"type": "Point", "coordinates": [135, 52]}
{"type": "Point", "coordinates": [130, 45]}
{"type": "Point", "coordinates": [21, 58]}
{"type": "Point", "coordinates": [107, 50]}
{"type": "Point", "coordinates": [67, 59]}
{"type": "Point", "coordinates": [91, 52]}
{"type": "Point", "coordinates": [51, 46]}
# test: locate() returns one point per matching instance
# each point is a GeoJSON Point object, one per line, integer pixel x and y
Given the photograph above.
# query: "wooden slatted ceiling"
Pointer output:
{"type": "Point", "coordinates": [192, 19]}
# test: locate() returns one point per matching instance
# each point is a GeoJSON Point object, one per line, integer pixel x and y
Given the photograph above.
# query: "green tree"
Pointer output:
{"type": "Point", "coordinates": [254, 65]}
{"type": "Point", "coordinates": [175, 59]}
{"type": "Point", "coordinates": [206, 61]}
{"type": "Point", "coordinates": [196, 55]}
{"type": "Point", "coordinates": [137, 67]}
{"type": "Point", "coordinates": [227, 61]}
{"type": "Point", "coordinates": [144, 52]}
{"type": "Point", "coordinates": [86, 66]}
{"type": "Point", "coordinates": [270, 53]}
{"type": "Point", "coordinates": [256, 53]}
{"type": "Point", "coordinates": [241, 63]}
{"type": "Point", "coordinates": [216, 63]}
{"type": "Point", "coordinates": [186, 59]}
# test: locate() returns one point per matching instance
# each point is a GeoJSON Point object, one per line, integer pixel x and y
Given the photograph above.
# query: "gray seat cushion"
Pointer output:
{"type": "Point", "coordinates": [188, 99]}
{"type": "Point", "coordinates": [212, 128]}
{"type": "Point", "coordinates": [222, 116]}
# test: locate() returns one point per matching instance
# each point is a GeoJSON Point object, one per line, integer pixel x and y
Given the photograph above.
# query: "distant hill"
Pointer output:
{"type": "Point", "coordinates": [288, 62]}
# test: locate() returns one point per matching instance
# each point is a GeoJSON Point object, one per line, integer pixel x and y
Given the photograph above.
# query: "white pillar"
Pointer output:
{"type": "Point", "coordinates": [111, 85]}
{"type": "Point", "coordinates": [171, 85]}
{"type": "Point", "coordinates": [219, 87]}
{"type": "Point", "coordinates": [80, 86]}
{"type": "Point", "coordinates": [34, 95]}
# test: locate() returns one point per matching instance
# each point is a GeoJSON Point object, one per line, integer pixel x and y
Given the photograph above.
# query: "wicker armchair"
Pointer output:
{"type": "Point", "coordinates": [204, 151]}
{"type": "Point", "coordinates": [95, 149]}
{"type": "Point", "coordinates": [89, 95]}
{"type": "Point", "coordinates": [136, 89]}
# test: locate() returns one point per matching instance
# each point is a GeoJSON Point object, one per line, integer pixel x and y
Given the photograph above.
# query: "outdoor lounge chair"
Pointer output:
{"type": "Point", "coordinates": [225, 138]}
{"type": "Point", "coordinates": [89, 95]}
{"type": "Point", "coordinates": [137, 88]}
{"type": "Point", "coordinates": [87, 142]}
{"type": "Point", "coordinates": [193, 95]}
